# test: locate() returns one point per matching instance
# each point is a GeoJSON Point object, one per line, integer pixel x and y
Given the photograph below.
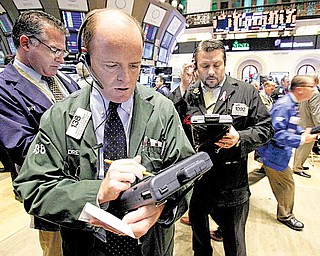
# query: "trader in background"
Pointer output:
{"type": "Point", "coordinates": [162, 87]}
{"type": "Point", "coordinates": [115, 119]}
{"type": "Point", "coordinates": [277, 152]}
{"type": "Point", "coordinates": [282, 89]}
{"type": "Point", "coordinates": [29, 85]}
{"type": "Point", "coordinates": [309, 112]}
{"type": "Point", "coordinates": [223, 192]}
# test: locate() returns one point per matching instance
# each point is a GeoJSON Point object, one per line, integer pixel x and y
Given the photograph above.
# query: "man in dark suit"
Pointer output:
{"type": "Point", "coordinates": [223, 192]}
{"type": "Point", "coordinates": [26, 93]}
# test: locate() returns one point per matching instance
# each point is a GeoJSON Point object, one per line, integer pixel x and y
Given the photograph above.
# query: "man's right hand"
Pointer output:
{"type": "Point", "coordinates": [119, 177]}
{"type": "Point", "coordinates": [308, 137]}
{"type": "Point", "coordinates": [187, 76]}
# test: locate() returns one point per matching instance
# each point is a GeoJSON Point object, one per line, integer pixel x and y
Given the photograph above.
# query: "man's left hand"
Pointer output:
{"type": "Point", "coordinates": [230, 139]}
{"type": "Point", "coordinates": [142, 219]}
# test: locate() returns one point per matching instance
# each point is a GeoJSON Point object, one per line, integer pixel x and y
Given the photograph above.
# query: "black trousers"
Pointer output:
{"type": "Point", "coordinates": [83, 243]}
{"type": "Point", "coordinates": [231, 220]}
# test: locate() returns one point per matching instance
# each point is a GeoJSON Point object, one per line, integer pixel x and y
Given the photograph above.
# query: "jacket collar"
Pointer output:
{"type": "Point", "coordinates": [142, 111]}
{"type": "Point", "coordinates": [227, 90]}
{"type": "Point", "coordinates": [25, 87]}
{"type": "Point", "coordinates": [226, 93]}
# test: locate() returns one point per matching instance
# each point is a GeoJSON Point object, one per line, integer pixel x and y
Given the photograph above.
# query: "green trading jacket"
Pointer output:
{"type": "Point", "coordinates": [59, 174]}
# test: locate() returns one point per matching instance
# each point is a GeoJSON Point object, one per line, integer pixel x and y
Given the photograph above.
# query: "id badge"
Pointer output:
{"type": "Point", "coordinates": [240, 109]}
{"type": "Point", "coordinates": [78, 123]}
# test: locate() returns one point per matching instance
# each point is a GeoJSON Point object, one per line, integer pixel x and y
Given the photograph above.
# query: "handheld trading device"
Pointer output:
{"type": "Point", "coordinates": [158, 188]}
{"type": "Point", "coordinates": [209, 127]}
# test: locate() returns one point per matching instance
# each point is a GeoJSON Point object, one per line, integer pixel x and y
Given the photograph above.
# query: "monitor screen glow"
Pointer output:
{"type": "Point", "coordinates": [148, 51]}
{"type": "Point", "coordinates": [5, 24]}
{"type": "Point", "coordinates": [73, 20]}
{"type": "Point", "coordinates": [162, 55]}
{"type": "Point", "coordinates": [72, 43]}
{"type": "Point", "coordinates": [11, 45]}
{"type": "Point", "coordinates": [166, 40]}
{"type": "Point", "coordinates": [150, 32]}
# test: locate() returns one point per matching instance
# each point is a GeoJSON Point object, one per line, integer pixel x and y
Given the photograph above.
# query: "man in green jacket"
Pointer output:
{"type": "Point", "coordinates": [64, 168]}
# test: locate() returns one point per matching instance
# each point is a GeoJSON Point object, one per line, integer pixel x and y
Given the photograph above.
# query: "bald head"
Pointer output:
{"type": "Point", "coordinates": [112, 26]}
{"type": "Point", "coordinates": [114, 41]}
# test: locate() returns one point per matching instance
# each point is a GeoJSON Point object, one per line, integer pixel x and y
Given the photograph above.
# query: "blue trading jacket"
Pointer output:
{"type": "Point", "coordinates": [277, 152]}
{"type": "Point", "coordinates": [21, 107]}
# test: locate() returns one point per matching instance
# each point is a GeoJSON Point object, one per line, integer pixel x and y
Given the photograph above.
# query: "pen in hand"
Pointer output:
{"type": "Point", "coordinates": [146, 173]}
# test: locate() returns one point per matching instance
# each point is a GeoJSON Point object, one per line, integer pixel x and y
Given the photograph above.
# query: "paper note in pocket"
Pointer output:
{"type": "Point", "coordinates": [90, 210]}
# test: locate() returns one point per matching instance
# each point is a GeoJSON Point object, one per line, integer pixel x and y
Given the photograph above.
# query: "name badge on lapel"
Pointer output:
{"type": "Point", "coordinates": [78, 123]}
{"type": "Point", "coordinates": [240, 109]}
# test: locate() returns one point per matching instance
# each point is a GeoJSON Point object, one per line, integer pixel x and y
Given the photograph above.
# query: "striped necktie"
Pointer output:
{"type": "Point", "coordinates": [54, 88]}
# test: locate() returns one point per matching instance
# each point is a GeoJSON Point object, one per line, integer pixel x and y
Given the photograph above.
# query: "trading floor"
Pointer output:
{"type": "Point", "coordinates": [265, 235]}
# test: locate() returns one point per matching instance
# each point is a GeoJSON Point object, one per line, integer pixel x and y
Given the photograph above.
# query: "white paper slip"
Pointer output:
{"type": "Point", "coordinates": [90, 210]}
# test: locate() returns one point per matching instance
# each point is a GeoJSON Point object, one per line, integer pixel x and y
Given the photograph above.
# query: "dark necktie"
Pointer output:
{"type": "Point", "coordinates": [54, 88]}
{"type": "Point", "coordinates": [115, 147]}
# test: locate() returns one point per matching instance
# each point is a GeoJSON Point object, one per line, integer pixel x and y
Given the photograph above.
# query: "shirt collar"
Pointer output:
{"type": "Point", "coordinates": [101, 104]}
{"type": "Point", "coordinates": [31, 72]}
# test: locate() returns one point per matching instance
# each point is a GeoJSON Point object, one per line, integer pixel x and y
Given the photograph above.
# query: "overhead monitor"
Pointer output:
{"type": "Point", "coordinates": [154, 15]}
{"type": "Point", "coordinates": [166, 40]}
{"type": "Point", "coordinates": [11, 45]}
{"type": "Point", "coordinates": [174, 25]}
{"type": "Point", "coordinates": [148, 51]}
{"type": "Point", "coordinates": [73, 5]}
{"type": "Point", "coordinates": [150, 32]}
{"type": "Point", "coordinates": [5, 24]}
{"type": "Point", "coordinates": [122, 5]}
{"type": "Point", "coordinates": [27, 4]}
{"type": "Point", "coordinates": [72, 43]}
{"type": "Point", "coordinates": [2, 56]}
{"type": "Point", "coordinates": [162, 57]}
{"type": "Point", "coordinates": [73, 19]}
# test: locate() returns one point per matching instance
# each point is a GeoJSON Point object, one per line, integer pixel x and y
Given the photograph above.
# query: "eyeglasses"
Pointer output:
{"type": "Point", "coordinates": [57, 52]}
{"type": "Point", "coordinates": [310, 86]}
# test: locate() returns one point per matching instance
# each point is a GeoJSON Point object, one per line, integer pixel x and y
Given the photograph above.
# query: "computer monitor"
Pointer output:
{"type": "Point", "coordinates": [72, 43]}
{"type": "Point", "coordinates": [148, 51]}
{"type": "Point", "coordinates": [166, 40]}
{"type": "Point", "coordinates": [150, 32]}
{"type": "Point", "coordinates": [162, 57]}
{"type": "Point", "coordinates": [5, 24]}
{"type": "Point", "coordinates": [11, 45]}
{"type": "Point", "coordinates": [73, 19]}
{"type": "Point", "coordinates": [2, 56]}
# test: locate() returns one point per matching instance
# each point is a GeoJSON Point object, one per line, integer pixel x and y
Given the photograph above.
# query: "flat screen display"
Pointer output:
{"type": "Point", "coordinates": [72, 44]}
{"type": "Point", "coordinates": [5, 24]}
{"type": "Point", "coordinates": [166, 40]}
{"type": "Point", "coordinates": [1, 57]}
{"type": "Point", "coordinates": [148, 51]}
{"type": "Point", "coordinates": [150, 32]}
{"type": "Point", "coordinates": [162, 55]}
{"type": "Point", "coordinates": [11, 45]}
{"type": "Point", "coordinates": [73, 20]}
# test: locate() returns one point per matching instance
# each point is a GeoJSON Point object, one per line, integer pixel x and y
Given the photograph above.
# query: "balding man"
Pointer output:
{"type": "Point", "coordinates": [63, 172]}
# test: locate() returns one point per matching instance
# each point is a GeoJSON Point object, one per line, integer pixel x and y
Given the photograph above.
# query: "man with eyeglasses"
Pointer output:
{"type": "Point", "coordinates": [29, 85]}
{"type": "Point", "coordinates": [276, 153]}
